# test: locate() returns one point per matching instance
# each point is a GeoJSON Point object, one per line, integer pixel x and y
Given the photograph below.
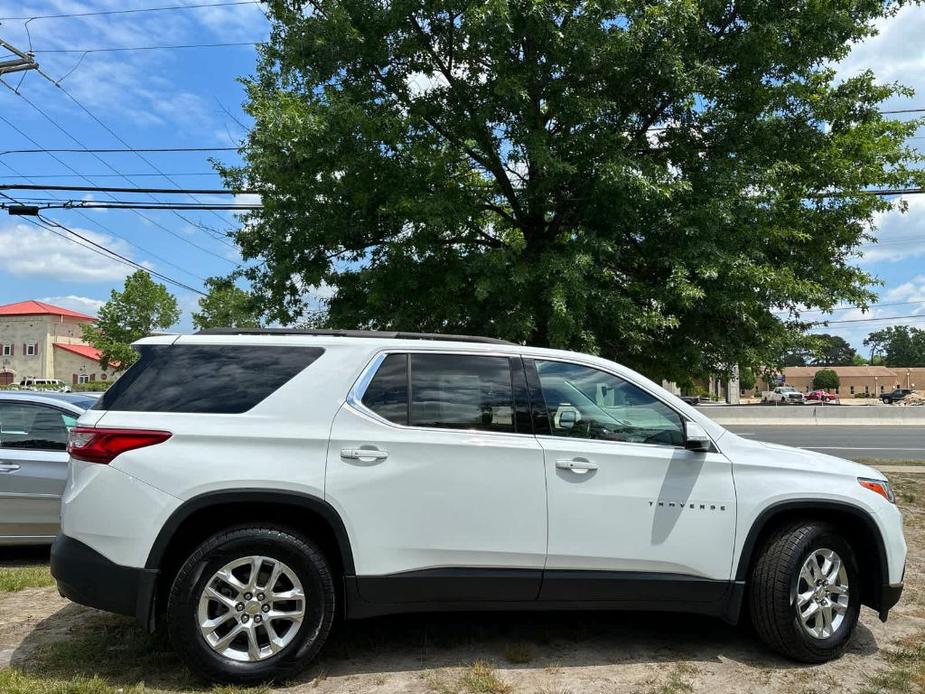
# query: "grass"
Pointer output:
{"type": "Point", "coordinates": [478, 678]}
{"type": "Point", "coordinates": [19, 577]}
{"type": "Point", "coordinates": [481, 678]}
{"type": "Point", "coordinates": [679, 680]}
{"type": "Point", "coordinates": [17, 682]}
{"type": "Point", "coordinates": [906, 671]}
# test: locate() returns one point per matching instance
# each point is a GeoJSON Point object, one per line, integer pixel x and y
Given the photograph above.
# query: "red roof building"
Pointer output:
{"type": "Point", "coordinates": [40, 308]}
{"type": "Point", "coordinates": [42, 341]}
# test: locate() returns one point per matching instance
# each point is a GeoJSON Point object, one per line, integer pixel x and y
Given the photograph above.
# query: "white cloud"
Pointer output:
{"type": "Point", "coordinates": [420, 83]}
{"type": "Point", "coordinates": [133, 85]}
{"type": "Point", "coordinates": [913, 290]}
{"type": "Point", "coordinates": [39, 253]}
{"type": "Point", "coordinates": [321, 292]}
{"type": "Point", "coordinates": [900, 236]}
{"type": "Point", "coordinates": [896, 54]}
{"type": "Point", "coordinates": [83, 304]}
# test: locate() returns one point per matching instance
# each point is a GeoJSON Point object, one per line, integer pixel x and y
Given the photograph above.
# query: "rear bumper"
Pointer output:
{"type": "Point", "coordinates": [87, 577]}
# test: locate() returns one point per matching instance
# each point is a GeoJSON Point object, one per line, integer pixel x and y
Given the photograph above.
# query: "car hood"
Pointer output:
{"type": "Point", "coordinates": [749, 451]}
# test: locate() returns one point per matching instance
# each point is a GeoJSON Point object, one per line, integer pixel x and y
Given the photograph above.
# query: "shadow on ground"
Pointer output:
{"type": "Point", "coordinates": [80, 641]}
{"type": "Point", "coordinates": [24, 556]}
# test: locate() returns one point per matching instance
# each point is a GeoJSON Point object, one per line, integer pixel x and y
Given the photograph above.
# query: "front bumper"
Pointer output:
{"type": "Point", "coordinates": [87, 577]}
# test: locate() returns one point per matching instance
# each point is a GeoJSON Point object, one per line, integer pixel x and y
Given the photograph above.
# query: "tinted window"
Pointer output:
{"type": "Point", "coordinates": [33, 427]}
{"type": "Point", "coordinates": [387, 393]}
{"type": "Point", "coordinates": [592, 404]}
{"type": "Point", "coordinates": [461, 392]}
{"type": "Point", "coordinates": [220, 379]}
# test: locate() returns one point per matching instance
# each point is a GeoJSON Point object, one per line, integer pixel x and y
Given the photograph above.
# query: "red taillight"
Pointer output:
{"type": "Point", "coordinates": [102, 445]}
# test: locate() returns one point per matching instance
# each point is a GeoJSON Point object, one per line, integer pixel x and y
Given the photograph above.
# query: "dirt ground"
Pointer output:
{"type": "Point", "coordinates": [45, 635]}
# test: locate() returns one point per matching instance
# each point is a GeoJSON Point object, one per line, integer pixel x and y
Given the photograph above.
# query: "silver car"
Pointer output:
{"type": "Point", "coordinates": [33, 462]}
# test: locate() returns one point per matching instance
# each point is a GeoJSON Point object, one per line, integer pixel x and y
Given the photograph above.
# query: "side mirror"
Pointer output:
{"type": "Point", "coordinates": [568, 419]}
{"type": "Point", "coordinates": [696, 438]}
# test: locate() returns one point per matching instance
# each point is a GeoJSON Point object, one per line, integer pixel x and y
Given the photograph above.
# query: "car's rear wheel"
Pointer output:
{"type": "Point", "coordinates": [804, 593]}
{"type": "Point", "coordinates": [251, 605]}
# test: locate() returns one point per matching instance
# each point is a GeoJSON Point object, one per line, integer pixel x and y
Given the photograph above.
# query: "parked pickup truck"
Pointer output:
{"type": "Point", "coordinates": [894, 396]}
{"type": "Point", "coordinates": [783, 394]}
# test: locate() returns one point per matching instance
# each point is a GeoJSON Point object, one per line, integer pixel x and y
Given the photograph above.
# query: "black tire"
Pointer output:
{"type": "Point", "coordinates": [300, 555]}
{"type": "Point", "coordinates": [773, 587]}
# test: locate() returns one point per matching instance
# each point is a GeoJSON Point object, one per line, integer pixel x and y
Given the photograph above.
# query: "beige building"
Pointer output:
{"type": "Point", "coordinates": [857, 381]}
{"type": "Point", "coordinates": [38, 340]}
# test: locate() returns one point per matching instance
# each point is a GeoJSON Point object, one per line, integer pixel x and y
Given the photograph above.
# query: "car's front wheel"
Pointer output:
{"type": "Point", "coordinates": [251, 605]}
{"type": "Point", "coordinates": [804, 593]}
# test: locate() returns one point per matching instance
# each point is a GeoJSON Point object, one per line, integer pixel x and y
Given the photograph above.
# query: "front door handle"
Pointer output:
{"type": "Point", "coordinates": [577, 465]}
{"type": "Point", "coordinates": [8, 467]}
{"type": "Point", "coordinates": [366, 455]}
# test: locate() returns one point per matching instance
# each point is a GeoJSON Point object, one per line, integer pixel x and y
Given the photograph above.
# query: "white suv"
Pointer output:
{"type": "Point", "coordinates": [243, 488]}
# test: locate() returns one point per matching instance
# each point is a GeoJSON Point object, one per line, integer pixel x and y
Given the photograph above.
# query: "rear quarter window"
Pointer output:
{"type": "Point", "coordinates": [215, 379]}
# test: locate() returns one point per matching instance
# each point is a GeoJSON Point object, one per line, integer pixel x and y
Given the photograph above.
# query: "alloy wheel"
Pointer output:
{"type": "Point", "coordinates": [251, 608]}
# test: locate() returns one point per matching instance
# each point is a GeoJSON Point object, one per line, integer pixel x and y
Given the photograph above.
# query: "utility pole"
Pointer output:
{"type": "Point", "coordinates": [24, 61]}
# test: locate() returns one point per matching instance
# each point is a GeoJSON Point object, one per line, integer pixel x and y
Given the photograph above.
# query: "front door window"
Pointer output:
{"type": "Point", "coordinates": [587, 403]}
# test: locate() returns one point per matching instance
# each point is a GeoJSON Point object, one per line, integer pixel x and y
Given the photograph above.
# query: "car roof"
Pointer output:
{"type": "Point", "coordinates": [74, 400]}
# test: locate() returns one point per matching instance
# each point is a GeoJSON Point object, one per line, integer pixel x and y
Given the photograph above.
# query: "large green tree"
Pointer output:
{"type": "Point", "coordinates": [899, 345]}
{"type": "Point", "coordinates": [648, 180]}
{"type": "Point", "coordinates": [226, 306]}
{"type": "Point", "coordinates": [833, 350]}
{"type": "Point", "coordinates": [142, 307]}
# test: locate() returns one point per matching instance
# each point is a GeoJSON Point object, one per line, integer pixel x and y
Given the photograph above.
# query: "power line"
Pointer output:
{"type": "Point", "coordinates": [121, 258]}
{"type": "Point", "coordinates": [101, 250]}
{"type": "Point", "coordinates": [117, 49]}
{"type": "Point", "coordinates": [109, 150]}
{"type": "Point", "coordinates": [146, 174]}
{"type": "Point", "coordinates": [903, 110]}
{"type": "Point", "coordinates": [106, 229]}
{"type": "Point", "coordinates": [114, 170]}
{"type": "Point", "coordinates": [116, 189]}
{"type": "Point", "coordinates": [869, 320]}
{"type": "Point", "coordinates": [849, 308]}
{"type": "Point", "coordinates": [144, 217]}
{"type": "Point", "coordinates": [131, 205]}
{"type": "Point", "coordinates": [140, 156]}
{"type": "Point", "coordinates": [134, 11]}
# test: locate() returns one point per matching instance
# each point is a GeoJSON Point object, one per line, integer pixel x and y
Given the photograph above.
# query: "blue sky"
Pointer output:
{"type": "Point", "coordinates": [190, 98]}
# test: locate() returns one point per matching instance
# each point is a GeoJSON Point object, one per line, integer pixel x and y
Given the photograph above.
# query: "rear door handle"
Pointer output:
{"type": "Point", "coordinates": [8, 467]}
{"type": "Point", "coordinates": [577, 465]}
{"type": "Point", "coordinates": [365, 455]}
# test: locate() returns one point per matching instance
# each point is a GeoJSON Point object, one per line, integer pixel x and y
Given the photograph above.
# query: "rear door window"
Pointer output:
{"type": "Point", "coordinates": [446, 391]}
{"type": "Point", "coordinates": [216, 379]}
{"type": "Point", "coordinates": [453, 391]}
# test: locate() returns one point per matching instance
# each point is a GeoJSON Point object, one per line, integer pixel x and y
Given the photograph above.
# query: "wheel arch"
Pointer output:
{"type": "Point", "coordinates": [862, 533]}
{"type": "Point", "coordinates": [203, 515]}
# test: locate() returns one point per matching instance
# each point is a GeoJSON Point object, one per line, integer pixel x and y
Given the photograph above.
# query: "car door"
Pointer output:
{"type": "Point", "coordinates": [33, 469]}
{"type": "Point", "coordinates": [433, 466]}
{"type": "Point", "coordinates": [633, 515]}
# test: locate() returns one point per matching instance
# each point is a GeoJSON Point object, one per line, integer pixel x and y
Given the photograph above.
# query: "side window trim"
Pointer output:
{"type": "Point", "coordinates": [538, 402]}
{"type": "Point", "coordinates": [358, 390]}
{"type": "Point", "coordinates": [539, 413]}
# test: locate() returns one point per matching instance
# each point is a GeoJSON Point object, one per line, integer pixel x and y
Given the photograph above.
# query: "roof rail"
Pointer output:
{"type": "Point", "coordinates": [380, 334]}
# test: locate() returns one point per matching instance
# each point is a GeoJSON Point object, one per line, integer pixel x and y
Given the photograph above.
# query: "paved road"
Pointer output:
{"type": "Point", "coordinates": [853, 442]}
